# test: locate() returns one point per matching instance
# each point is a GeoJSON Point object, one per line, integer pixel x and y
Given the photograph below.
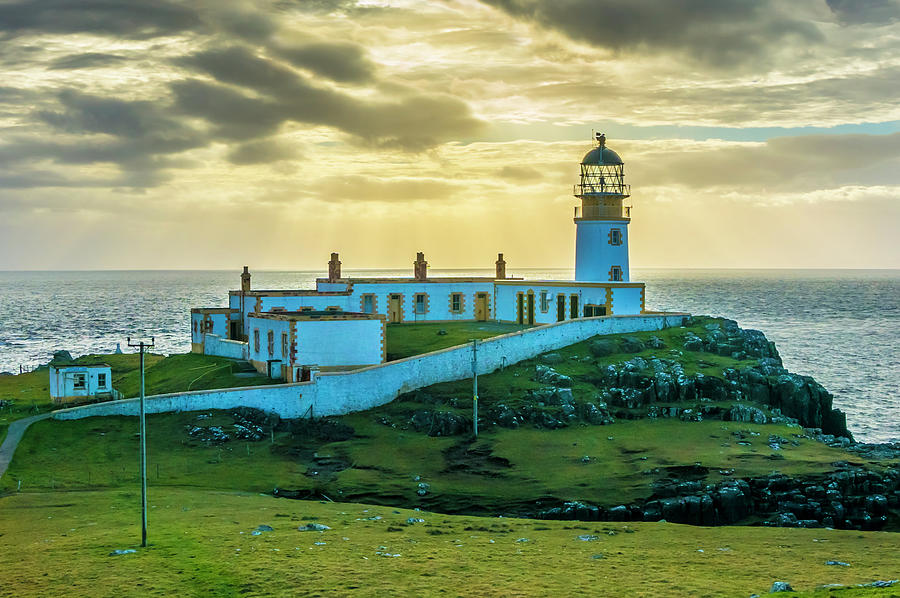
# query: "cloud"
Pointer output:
{"type": "Point", "coordinates": [262, 151]}
{"type": "Point", "coordinates": [855, 12]}
{"type": "Point", "coordinates": [796, 164]}
{"type": "Point", "coordinates": [340, 61]}
{"type": "Point", "coordinates": [360, 188]}
{"type": "Point", "coordinates": [720, 33]}
{"type": "Point", "coordinates": [413, 122]}
{"type": "Point", "coordinates": [135, 20]}
{"type": "Point", "coordinates": [87, 60]}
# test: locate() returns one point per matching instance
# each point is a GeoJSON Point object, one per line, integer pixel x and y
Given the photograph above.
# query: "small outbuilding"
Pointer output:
{"type": "Point", "coordinates": [72, 382]}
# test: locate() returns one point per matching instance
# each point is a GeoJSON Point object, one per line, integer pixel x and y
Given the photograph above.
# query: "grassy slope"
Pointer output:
{"type": "Point", "coordinates": [406, 340]}
{"type": "Point", "coordinates": [200, 545]}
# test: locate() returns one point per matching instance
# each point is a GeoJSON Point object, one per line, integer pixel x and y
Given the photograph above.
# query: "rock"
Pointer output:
{"type": "Point", "coordinates": [781, 586]}
{"type": "Point", "coordinates": [439, 423]}
{"type": "Point", "coordinates": [118, 552]}
{"type": "Point", "coordinates": [61, 357]}
{"type": "Point", "coordinates": [746, 414]}
{"type": "Point", "coordinates": [837, 563]}
{"type": "Point", "coordinates": [264, 528]}
{"type": "Point", "coordinates": [596, 415]}
{"type": "Point", "coordinates": [505, 417]}
{"type": "Point", "coordinates": [548, 375]}
{"type": "Point", "coordinates": [654, 342]}
{"type": "Point", "coordinates": [413, 520]}
{"type": "Point", "coordinates": [631, 344]}
{"type": "Point", "coordinates": [692, 342]}
{"type": "Point", "coordinates": [551, 358]}
{"type": "Point", "coordinates": [313, 527]}
{"type": "Point", "coordinates": [442, 332]}
{"type": "Point", "coordinates": [588, 537]}
{"type": "Point", "coordinates": [603, 347]}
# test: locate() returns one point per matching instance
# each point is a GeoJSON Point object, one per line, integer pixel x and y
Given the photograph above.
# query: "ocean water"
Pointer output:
{"type": "Point", "coordinates": [840, 326]}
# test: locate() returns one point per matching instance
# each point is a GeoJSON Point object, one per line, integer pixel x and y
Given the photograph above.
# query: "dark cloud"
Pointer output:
{"type": "Point", "coordinates": [412, 122]}
{"type": "Point", "coordinates": [340, 61]}
{"type": "Point", "coordinates": [111, 17]}
{"type": "Point", "coordinates": [856, 12]}
{"type": "Point", "coordinates": [235, 115]}
{"type": "Point", "coordinates": [93, 114]}
{"type": "Point", "coordinates": [720, 33]}
{"type": "Point", "coordinates": [262, 151]}
{"type": "Point", "coordinates": [88, 60]}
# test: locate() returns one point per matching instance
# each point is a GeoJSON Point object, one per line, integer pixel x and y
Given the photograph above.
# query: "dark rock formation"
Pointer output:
{"type": "Point", "coordinates": [851, 498]}
{"type": "Point", "coordinates": [440, 423]}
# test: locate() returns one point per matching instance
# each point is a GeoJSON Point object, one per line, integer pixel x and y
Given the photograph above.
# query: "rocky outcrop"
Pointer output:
{"type": "Point", "coordinates": [638, 383]}
{"type": "Point", "coordinates": [440, 423]}
{"type": "Point", "coordinates": [851, 498]}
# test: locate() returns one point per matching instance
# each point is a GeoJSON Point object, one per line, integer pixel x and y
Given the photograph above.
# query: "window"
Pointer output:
{"type": "Point", "coordinates": [573, 306]}
{"type": "Point", "coordinates": [594, 310]}
{"type": "Point", "coordinates": [256, 340]}
{"type": "Point", "coordinates": [615, 236]}
{"type": "Point", "coordinates": [456, 303]}
{"type": "Point", "coordinates": [101, 381]}
{"type": "Point", "coordinates": [615, 274]}
{"type": "Point", "coordinates": [270, 337]}
{"type": "Point", "coordinates": [421, 303]}
{"type": "Point", "coordinates": [368, 304]}
{"type": "Point", "coordinates": [545, 301]}
{"type": "Point", "coordinates": [80, 382]}
{"type": "Point", "coordinates": [195, 326]}
{"type": "Point", "coordinates": [284, 345]}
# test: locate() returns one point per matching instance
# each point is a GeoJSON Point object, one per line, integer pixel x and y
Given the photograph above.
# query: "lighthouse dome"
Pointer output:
{"type": "Point", "coordinates": [601, 155]}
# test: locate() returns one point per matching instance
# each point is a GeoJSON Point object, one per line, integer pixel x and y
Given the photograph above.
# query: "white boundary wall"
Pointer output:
{"type": "Point", "coordinates": [337, 393]}
{"type": "Point", "coordinates": [213, 344]}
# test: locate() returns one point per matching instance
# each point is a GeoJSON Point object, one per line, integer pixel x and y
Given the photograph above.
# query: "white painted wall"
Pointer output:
{"type": "Point", "coordinates": [214, 344]}
{"type": "Point", "coordinates": [328, 343]}
{"type": "Point", "coordinates": [263, 326]}
{"type": "Point", "coordinates": [62, 380]}
{"type": "Point", "coordinates": [438, 303]}
{"type": "Point", "coordinates": [337, 393]}
{"type": "Point", "coordinates": [594, 256]}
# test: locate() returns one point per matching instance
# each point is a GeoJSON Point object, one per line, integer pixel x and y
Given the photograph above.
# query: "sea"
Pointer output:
{"type": "Point", "coordinates": [841, 327]}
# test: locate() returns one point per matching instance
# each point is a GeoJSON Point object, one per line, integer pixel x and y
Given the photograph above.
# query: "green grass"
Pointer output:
{"type": "Point", "coordinates": [406, 340]}
{"type": "Point", "coordinates": [188, 371]}
{"type": "Point", "coordinates": [201, 544]}
{"type": "Point", "coordinates": [383, 461]}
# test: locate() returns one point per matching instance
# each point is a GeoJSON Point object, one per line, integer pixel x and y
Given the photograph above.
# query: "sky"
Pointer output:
{"type": "Point", "coordinates": [213, 134]}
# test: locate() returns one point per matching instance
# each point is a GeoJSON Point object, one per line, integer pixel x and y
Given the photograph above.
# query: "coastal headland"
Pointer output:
{"type": "Point", "coordinates": [675, 462]}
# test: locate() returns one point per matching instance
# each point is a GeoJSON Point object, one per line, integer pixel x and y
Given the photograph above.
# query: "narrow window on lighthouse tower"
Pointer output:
{"type": "Point", "coordinates": [615, 236]}
{"type": "Point", "coordinates": [615, 274]}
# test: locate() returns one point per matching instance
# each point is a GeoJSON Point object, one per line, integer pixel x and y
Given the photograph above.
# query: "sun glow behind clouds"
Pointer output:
{"type": "Point", "coordinates": [273, 134]}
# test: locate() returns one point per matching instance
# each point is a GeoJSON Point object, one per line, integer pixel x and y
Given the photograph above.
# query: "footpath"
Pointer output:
{"type": "Point", "coordinates": [13, 436]}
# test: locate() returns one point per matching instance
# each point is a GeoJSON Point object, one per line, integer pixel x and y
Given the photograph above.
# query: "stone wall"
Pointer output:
{"type": "Point", "coordinates": [336, 393]}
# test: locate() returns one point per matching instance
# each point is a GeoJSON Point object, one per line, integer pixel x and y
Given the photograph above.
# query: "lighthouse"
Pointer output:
{"type": "Point", "coordinates": [601, 221]}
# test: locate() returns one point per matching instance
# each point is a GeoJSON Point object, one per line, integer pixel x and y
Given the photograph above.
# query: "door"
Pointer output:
{"type": "Point", "coordinates": [235, 332]}
{"type": "Point", "coordinates": [395, 312]}
{"type": "Point", "coordinates": [573, 306]}
{"type": "Point", "coordinates": [560, 308]}
{"type": "Point", "coordinates": [481, 307]}
{"type": "Point", "coordinates": [531, 309]}
{"type": "Point", "coordinates": [520, 308]}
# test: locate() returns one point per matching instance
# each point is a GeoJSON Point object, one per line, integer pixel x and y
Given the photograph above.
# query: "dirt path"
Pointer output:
{"type": "Point", "coordinates": [13, 436]}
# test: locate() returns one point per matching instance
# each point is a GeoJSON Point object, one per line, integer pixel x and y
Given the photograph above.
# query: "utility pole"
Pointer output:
{"type": "Point", "coordinates": [142, 346]}
{"type": "Point", "coordinates": [475, 386]}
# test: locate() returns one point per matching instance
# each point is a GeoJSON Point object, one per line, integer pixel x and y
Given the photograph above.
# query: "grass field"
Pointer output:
{"type": "Point", "coordinates": [406, 340]}
{"type": "Point", "coordinates": [201, 544]}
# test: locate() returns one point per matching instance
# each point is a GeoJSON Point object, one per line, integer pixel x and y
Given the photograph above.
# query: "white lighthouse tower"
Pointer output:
{"type": "Point", "coordinates": [601, 222]}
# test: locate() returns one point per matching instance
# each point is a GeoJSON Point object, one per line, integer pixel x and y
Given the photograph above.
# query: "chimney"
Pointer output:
{"type": "Point", "coordinates": [245, 279]}
{"type": "Point", "coordinates": [334, 268]}
{"type": "Point", "coordinates": [420, 267]}
{"type": "Point", "coordinates": [501, 266]}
